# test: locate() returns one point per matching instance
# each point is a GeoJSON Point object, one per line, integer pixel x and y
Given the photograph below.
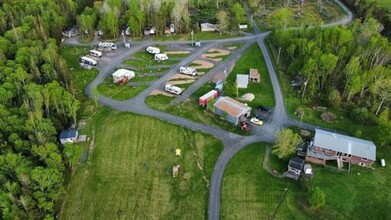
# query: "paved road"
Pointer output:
{"type": "Point", "coordinates": [233, 143]}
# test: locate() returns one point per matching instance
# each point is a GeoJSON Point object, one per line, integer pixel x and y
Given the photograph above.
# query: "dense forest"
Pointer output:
{"type": "Point", "coordinates": [342, 67]}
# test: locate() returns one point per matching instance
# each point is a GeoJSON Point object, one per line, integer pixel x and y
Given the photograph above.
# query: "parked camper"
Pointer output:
{"type": "Point", "coordinates": [88, 61]}
{"type": "Point", "coordinates": [95, 53]}
{"type": "Point", "coordinates": [188, 71]}
{"type": "Point", "coordinates": [152, 31]}
{"type": "Point", "coordinates": [153, 50]}
{"type": "Point", "coordinates": [107, 45]}
{"type": "Point", "coordinates": [173, 89]}
{"type": "Point", "coordinates": [161, 57]}
{"type": "Point", "coordinates": [203, 100]}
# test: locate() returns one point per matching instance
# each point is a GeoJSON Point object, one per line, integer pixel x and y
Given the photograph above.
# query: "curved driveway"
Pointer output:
{"type": "Point", "coordinates": [233, 143]}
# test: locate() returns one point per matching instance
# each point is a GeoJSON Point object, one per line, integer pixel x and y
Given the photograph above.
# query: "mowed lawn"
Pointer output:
{"type": "Point", "coordinates": [130, 173]}
{"type": "Point", "coordinates": [249, 192]}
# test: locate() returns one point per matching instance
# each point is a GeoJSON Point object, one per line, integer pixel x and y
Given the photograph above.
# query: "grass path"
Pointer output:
{"type": "Point", "coordinates": [130, 177]}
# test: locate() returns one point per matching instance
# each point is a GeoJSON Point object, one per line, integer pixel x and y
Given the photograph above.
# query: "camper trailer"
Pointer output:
{"type": "Point", "coordinates": [161, 57]}
{"type": "Point", "coordinates": [173, 89]}
{"type": "Point", "coordinates": [153, 50]}
{"type": "Point", "coordinates": [88, 61]}
{"type": "Point", "coordinates": [188, 71]}
{"type": "Point", "coordinates": [122, 75]}
{"type": "Point", "coordinates": [107, 46]}
{"type": "Point", "coordinates": [95, 53]}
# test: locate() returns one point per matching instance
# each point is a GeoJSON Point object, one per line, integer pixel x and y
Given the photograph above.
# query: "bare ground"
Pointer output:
{"type": "Point", "coordinates": [181, 76]}
{"type": "Point", "coordinates": [158, 92]}
{"type": "Point", "coordinates": [202, 64]}
{"type": "Point", "coordinates": [177, 52]}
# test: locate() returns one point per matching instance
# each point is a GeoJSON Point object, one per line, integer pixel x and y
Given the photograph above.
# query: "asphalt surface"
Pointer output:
{"type": "Point", "coordinates": [233, 143]}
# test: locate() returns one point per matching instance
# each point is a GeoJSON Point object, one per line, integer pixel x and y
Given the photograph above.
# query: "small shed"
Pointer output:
{"type": "Point", "coordinates": [243, 26]}
{"type": "Point", "coordinates": [255, 76]}
{"type": "Point", "coordinates": [241, 81]}
{"type": "Point", "coordinates": [295, 167]}
{"type": "Point", "coordinates": [209, 27]}
{"type": "Point", "coordinates": [121, 74]}
{"type": "Point", "coordinates": [68, 136]}
{"type": "Point", "coordinates": [307, 168]}
{"type": "Point", "coordinates": [230, 109]}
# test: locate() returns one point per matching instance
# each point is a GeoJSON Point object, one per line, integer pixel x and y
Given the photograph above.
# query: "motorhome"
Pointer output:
{"type": "Point", "coordinates": [173, 89]}
{"type": "Point", "coordinates": [88, 61]}
{"type": "Point", "coordinates": [153, 50]}
{"type": "Point", "coordinates": [161, 57]}
{"type": "Point", "coordinates": [107, 45]}
{"type": "Point", "coordinates": [95, 53]}
{"type": "Point", "coordinates": [188, 71]}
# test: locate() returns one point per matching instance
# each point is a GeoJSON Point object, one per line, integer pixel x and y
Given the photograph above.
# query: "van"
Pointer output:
{"type": "Point", "coordinates": [153, 50]}
{"type": "Point", "coordinates": [95, 53]}
{"type": "Point", "coordinates": [161, 57]}
{"type": "Point", "coordinates": [88, 61]}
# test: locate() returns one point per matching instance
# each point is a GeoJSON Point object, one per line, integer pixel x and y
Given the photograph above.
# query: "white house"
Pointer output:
{"type": "Point", "coordinates": [241, 81]}
{"type": "Point", "coordinates": [121, 74]}
{"type": "Point", "coordinates": [68, 136]}
{"type": "Point", "coordinates": [209, 27]}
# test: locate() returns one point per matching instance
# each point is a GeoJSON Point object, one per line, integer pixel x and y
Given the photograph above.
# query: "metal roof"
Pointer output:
{"type": "Point", "coordinates": [231, 106]}
{"type": "Point", "coordinates": [69, 133]}
{"type": "Point", "coordinates": [242, 80]}
{"type": "Point", "coordinates": [345, 144]}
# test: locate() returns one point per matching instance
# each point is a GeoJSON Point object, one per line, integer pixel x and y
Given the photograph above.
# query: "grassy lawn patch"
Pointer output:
{"type": "Point", "coordinates": [124, 92]}
{"type": "Point", "coordinates": [191, 110]}
{"type": "Point", "coordinates": [129, 175]}
{"type": "Point", "coordinates": [249, 192]}
{"type": "Point", "coordinates": [145, 78]}
{"type": "Point", "coordinates": [199, 36]}
{"type": "Point", "coordinates": [263, 91]}
{"type": "Point", "coordinates": [382, 3]}
{"type": "Point", "coordinates": [148, 62]}
{"type": "Point", "coordinates": [178, 55]}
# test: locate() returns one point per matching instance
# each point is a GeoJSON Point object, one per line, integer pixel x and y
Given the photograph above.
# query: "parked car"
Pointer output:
{"type": "Point", "coordinates": [264, 108]}
{"type": "Point", "coordinates": [256, 121]}
{"type": "Point", "coordinates": [258, 116]}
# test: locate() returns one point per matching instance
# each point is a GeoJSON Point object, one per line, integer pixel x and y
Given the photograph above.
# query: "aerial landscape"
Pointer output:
{"type": "Point", "coordinates": [195, 109]}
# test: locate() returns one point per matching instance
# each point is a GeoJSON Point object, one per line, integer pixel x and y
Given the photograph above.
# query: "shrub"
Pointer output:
{"type": "Point", "coordinates": [364, 116]}
{"type": "Point", "coordinates": [316, 198]}
{"type": "Point", "coordinates": [334, 99]}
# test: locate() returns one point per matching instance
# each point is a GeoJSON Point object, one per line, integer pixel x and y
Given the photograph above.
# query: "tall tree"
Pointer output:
{"type": "Point", "coordinates": [286, 143]}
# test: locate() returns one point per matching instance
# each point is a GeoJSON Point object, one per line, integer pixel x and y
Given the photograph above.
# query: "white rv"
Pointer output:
{"type": "Point", "coordinates": [173, 89]}
{"type": "Point", "coordinates": [88, 61]}
{"type": "Point", "coordinates": [107, 45]}
{"type": "Point", "coordinates": [161, 57]}
{"type": "Point", "coordinates": [153, 50]}
{"type": "Point", "coordinates": [95, 53]}
{"type": "Point", "coordinates": [188, 71]}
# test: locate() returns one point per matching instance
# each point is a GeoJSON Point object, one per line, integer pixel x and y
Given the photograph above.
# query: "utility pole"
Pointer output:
{"type": "Point", "coordinates": [305, 86]}
{"type": "Point", "coordinates": [192, 34]}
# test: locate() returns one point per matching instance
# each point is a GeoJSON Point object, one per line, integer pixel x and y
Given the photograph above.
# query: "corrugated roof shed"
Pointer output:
{"type": "Point", "coordinates": [345, 144]}
{"type": "Point", "coordinates": [231, 106]}
{"type": "Point", "coordinates": [241, 80]}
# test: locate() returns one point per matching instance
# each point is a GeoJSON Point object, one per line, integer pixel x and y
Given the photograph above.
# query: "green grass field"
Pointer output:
{"type": "Point", "coordinates": [263, 91]}
{"type": "Point", "coordinates": [382, 3]}
{"type": "Point", "coordinates": [129, 175]}
{"type": "Point", "coordinates": [124, 92]}
{"type": "Point", "coordinates": [249, 192]}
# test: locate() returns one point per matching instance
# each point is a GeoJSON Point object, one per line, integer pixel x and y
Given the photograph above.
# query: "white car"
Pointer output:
{"type": "Point", "coordinates": [256, 121]}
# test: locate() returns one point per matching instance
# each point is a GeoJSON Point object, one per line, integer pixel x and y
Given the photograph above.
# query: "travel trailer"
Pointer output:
{"type": "Point", "coordinates": [173, 89]}
{"type": "Point", "coordinates": [95, 53]}
{"type": "Point", "coordinates": [88, 61]}
{"type": "Point", "coordinates": [153, 50]}
{"type": "Point", "coordinates": [161, 57]}
{"type": "Point", "coordinates": [188, 71]}
{"type": "Point", "coordinates": [107, 45]}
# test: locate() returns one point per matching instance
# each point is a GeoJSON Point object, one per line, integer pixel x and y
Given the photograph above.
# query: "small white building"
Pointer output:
{"type": "Point", "coordinates": [241, 81]}
{"type": "Point", "coordinates": [243, 26]}
{"type": "Point", "coordinates": [307, 168]}
{"type": "Point", "coordinates": [120, 74]}
{"type": "Point", "coordinates": [209, 27]}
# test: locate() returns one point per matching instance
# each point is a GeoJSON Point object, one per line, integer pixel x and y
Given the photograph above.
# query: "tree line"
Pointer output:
{"type": "Point", "coordinates": [342, 67]}
{"type": "Point", "coordinates": [35, 103]}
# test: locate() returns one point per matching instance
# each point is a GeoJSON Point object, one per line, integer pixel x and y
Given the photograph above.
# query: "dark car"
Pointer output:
{"type": "Point", "coordinates": [258, 116]}
{"type": "Point", "coordinates": [264, 108]}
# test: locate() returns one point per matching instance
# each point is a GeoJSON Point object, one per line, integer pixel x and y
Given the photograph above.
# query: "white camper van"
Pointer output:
{"type": "Point", "coordinates": [95, 53]}
{"type": "Point", "coordinates": [173, 89]}
{"type": "Point", "coordinates": [153, 50]}
{"type": "Point", "coordinates": [107, 45]}
{"type": "Point", "coordinates": [188, 71]}
{"type": "Point", "coordinates": [161, 57]}
{"type": "Point", "coordinates": [88, 61]}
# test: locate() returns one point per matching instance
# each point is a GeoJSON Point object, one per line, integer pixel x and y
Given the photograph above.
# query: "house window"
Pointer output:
{"type": "Point", "coordinates": [349, 155]}
{"type": "Point", "coordinates": [362, 164]}
{"type": "Point", "coordinates": [365, 159]}
{"type": "Point", "coordinates": [345, 154]}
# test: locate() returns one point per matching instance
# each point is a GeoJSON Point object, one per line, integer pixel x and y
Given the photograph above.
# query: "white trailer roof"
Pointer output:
{"type": "Point", "coordinates": [123, 72]}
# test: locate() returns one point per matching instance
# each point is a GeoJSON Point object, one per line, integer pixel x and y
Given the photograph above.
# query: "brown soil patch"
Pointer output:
{"type": "Point", "coordinates": [202, 64]}
{"type": "Point", "coordinates": [215, 53]}
{"type": "Point", "coordinates": [179, 82]}
{"type": "Point", "coordinates": [177, 52]}
{"type": "Point", "coordinates": [158, 92]}
{"type": "Point", "coordinates": [181, 76]}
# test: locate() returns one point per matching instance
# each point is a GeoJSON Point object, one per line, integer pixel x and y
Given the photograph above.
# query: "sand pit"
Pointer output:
{"type": "Point", "coordinates": [179, 82]}
{"type": "Point", "coordinates": [177, 52]}
{"type": "Point", "coordinates": [202, 64]}
{"type": "Point", "coordinates": [158, 92]}
{"type": "Point", "coordinates": [181, 76]}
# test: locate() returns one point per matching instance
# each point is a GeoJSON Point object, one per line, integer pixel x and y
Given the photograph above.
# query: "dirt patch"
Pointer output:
{"type": "Point", "coordinates": [202, 64]}
{"type": "Point", "coordinates": [215, 53]}
{"type": "Point", "coordinates": [177, 52]}
{"type": "Point", "coordinates": [181, 76]}
{"type": "Point", "coordinates": [158, 92]}
{"type": "Point", "coordinates": [179, 82]}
